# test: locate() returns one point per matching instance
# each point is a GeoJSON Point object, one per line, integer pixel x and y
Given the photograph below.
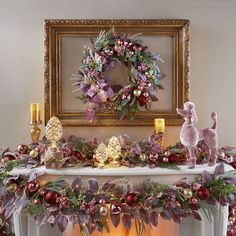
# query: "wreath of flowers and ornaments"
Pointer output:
{"type": "Point", "coordinates": [144, 75]}
{"type": "Point", "coordinates": [28, 191]}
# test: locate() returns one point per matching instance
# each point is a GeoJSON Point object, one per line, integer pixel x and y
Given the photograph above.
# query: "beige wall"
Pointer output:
{"type": "Point", "coordinates": [213, 58]}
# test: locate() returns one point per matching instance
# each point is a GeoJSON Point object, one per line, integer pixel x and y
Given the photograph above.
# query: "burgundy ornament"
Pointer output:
{"type": "Point", "coordinates": [23, 148]}
{"type": "Point", "coordinates": [193, 207]}
{"type": "Point", "coordinates": [33, 186]}
{"type": "Point", "coordinates": [115, 209]}
{"type": "Point", "coordinates": [42, 192]}
{"type": "Point", "coordinates": [102, 201]}
{"type": "Point", "coordinates": [165, 159]}
{"type": "Point", "coordinates": [51, 198]}
{"type": "Point", "coordinates": [153, 158]}
{"type": "Point", "coordinates": [8, 157]}
{"type": "Point", "coordinates": [173, 158]}
{"type": "Point", "coordinates": [142, 100]}
{"type": "Point", "coordinates": [230, 232]}
{"type": "Point", "coordinates": [233, 164]}
{"type": "Point", "coordinates": [131, 199]}
{"type": "Point", "coordinates": [76, 154]}
{"type": "Point", "coordinates": [37, 201]}
{"type": "Point", "coordinates": [167, 153]}
{"type": "Point", "coordinates": [194, 200]}
{"type": "Point", "coordinates": [203, 193]}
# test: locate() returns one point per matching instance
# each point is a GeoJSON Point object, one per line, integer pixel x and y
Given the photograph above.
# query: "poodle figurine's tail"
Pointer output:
{"type": "Point", "coordinates": [214, 118]}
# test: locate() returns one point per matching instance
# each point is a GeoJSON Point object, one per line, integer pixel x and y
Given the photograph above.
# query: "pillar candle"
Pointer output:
{"type": "Point", "coordinates": [35, 112]}
{"type": "Point", "coordinates": [160, 125]}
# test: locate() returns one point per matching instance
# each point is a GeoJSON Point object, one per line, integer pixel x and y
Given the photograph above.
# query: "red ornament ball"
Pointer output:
{"type": "Point", "coordinates": [8, 157]}
{"type": "Point", "coordinates": [33, 186]}
{"type": "Point", "coordinates": [102, 201]}
{"type": "Point", "coordinates": [76, 154]}
{"type": "Point", "coordinates": [37, 201]}
{"type": "Point", "coordinates": [153, 158]}
{"type": "Point", "coordinates": [194, 200]}
{"type": "Point", "coordinates": [51, 198]}
{"type": "Point", "coordinates": [165, 159]}
{"type": "Point", "coordinates": [233, 164]}
{"type": "Point", "coordinates": [142, 100]}
{"type": "Point", "coordinates": [131, 199]}
{"type": "Point", "coordinates": [203, 193]}
{"type": "Point", "coordinates": [23, 148]}
{"type": "Point", "coordinates": [42, 192]}
{"type": "Point", "coordinates": [115, 209]}
{"type": "Point", "coordinates": [230, 232]}
{"type": "Point", "coordinates": [173, 158]}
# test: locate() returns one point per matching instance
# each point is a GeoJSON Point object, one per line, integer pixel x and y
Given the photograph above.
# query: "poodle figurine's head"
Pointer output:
{"type": "Point", "coordinates": [188, 113]}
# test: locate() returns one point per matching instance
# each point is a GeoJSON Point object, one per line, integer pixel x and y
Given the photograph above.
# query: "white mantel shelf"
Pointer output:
{"type": "Point", "coordinates": [121, 171]}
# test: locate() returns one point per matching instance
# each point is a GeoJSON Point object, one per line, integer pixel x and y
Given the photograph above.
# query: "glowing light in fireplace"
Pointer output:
{"type": "Point", "coordinates": [165, 228]}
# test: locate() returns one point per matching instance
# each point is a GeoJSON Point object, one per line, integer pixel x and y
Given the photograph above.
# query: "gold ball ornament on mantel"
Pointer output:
{"type": "Point", "coordinates": [34, 153]}
{"type": "Point", "coordinates": [114, 151]}
{"type": "Point", "coordinates": [137, 92]}
{"type": "Point", "coordinates": [188, 193]}
{"type": "Point", "coordinates": [103, 211]}
{"type": "Point", "coordinates": [54, 131]}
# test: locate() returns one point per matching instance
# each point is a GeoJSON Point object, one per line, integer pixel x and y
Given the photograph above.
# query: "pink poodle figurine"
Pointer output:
{"type": "Point", "coordinates": [190, 136]}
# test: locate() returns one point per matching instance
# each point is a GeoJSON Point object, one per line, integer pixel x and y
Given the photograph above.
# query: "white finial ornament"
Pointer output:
{"type": "Point", "coordinates": [54, 130]}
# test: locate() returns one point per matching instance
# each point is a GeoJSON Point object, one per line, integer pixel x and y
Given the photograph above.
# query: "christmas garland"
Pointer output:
{"type": "Point", "coordinates": [79, 152]}
{"type": "Point", "coordinates": [91, 206]}
{"type": "Point", "coordinates": [144, 75]}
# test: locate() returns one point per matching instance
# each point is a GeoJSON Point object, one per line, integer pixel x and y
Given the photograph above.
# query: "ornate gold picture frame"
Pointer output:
{"type": "Point", "coordinates": [64, 41]}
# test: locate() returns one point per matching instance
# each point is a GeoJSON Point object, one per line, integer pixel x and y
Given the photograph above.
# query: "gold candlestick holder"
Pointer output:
{"type": "Point", "coordinates": [160, 139]}
{"type": "Point", "coordinates": [35, 131]}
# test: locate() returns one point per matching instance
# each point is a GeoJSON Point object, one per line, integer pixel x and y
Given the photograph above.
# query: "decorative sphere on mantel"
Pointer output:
{"type": "Point", "coordinates": [51, 198]}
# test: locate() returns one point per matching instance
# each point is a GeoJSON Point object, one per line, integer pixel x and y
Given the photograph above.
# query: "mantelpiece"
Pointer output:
{"type": "Point", "coordinates": [165, 176]}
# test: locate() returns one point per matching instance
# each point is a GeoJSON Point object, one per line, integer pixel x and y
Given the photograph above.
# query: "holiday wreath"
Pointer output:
{"type": "Point", "coordinates": [144, 75]}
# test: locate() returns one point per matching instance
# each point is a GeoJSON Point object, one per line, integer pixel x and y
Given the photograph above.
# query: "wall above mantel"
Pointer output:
{"type": "Point", "coordinates": [213, 54]}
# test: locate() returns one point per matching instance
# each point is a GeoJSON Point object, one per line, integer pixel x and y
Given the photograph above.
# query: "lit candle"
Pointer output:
{"type": "Point", "coordinates": [35, 112]}
{"type": "Point", "coordinates": [160, 125]}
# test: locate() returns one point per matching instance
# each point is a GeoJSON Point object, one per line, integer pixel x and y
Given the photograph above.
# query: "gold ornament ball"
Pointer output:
{"type": "Point", "coordinates": [13, 187]}
{"type": "Point", "coordinates": [103, 211]}
{"type": "Point", "coordinates": [143, 157]}
{"type": "Point", "coordinates": [137, 92]}
{"type": "Point", "coordinates": [222, 154]}
{"type": "Point", "coordinates": [188, 193]}
{"type": "Point", "coordinates": [34, 153]}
